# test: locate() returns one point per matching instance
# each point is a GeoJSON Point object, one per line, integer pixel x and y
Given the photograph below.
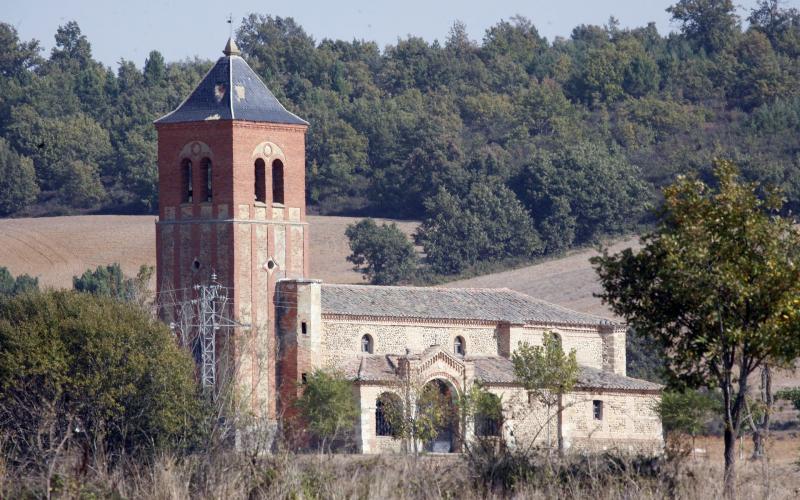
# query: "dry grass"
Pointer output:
{"type": "Point", "coordinates": [57, 248]}
{"type": "Point", "coordinates": [235, 476]}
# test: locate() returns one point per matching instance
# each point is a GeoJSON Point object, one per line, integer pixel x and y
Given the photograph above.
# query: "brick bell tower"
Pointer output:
{"type": "Point", "coordinates": [231, 178]}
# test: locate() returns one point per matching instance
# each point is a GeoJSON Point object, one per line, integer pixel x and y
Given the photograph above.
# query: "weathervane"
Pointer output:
{"type": "Point", "coordinates": [230, 21]}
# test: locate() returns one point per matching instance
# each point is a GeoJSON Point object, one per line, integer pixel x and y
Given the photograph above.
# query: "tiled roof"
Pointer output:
{"type": "Point", "coordinates": [482, 304]}
{"type": "Point", "coordinates": [231, 90]}
{"type": "Point", "coordinates": [501, 370]}
{"type": "Point", "coordinates": [490, 369]}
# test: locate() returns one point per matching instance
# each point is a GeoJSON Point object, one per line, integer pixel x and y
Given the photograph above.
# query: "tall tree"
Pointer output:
{"type": "Point", "coordinates": [709, 24]}
{"type": "Point", "coordinates": [717, 285]}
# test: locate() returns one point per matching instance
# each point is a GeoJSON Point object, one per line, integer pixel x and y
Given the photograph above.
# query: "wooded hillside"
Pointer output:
{"type": "Point", "coordinates": [511, 146]}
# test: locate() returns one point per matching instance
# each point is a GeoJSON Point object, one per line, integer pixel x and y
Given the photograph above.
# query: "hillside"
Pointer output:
{"type": "Point", "coordinates": [569, 281]}
{"type": "Point", "coordinates": [57, 248]}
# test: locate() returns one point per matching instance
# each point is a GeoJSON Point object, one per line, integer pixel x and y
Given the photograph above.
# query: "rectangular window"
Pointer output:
{"type": "Point", "coordinates": [597, 407]}
{"type": "Point", "coordinates": [303, 328]}
{"type": "Point", "coordinates": [303, 378]}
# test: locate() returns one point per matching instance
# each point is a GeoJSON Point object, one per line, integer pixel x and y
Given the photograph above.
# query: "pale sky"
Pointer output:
{"type": "Point", "coordinates": [179, 29]}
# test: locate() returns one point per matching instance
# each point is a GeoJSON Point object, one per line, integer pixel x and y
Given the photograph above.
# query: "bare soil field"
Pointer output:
{"type": "Point", "coordinates": [569, 281]}
{"type": "Point", "coordinates": [57, 248]}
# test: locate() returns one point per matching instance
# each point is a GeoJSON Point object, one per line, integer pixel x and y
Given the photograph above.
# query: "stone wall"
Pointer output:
{"type": "Point", "coordinates": [341, 339]}
{"type": "Point", "coordinates": [629, 420]}
{"type": "Point", "coordinates": [587, 342]}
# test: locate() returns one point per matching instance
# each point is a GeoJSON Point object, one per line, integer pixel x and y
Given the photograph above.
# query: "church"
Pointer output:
{"type": "Point", "coordinates": [231, 163]}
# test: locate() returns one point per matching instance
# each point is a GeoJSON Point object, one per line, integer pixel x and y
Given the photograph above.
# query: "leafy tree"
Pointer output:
{"type": "Point", "coordinates": [547, 373]}
{"type": "Point", "coordinates": [109, 281]}
{"type": "Point", "coordinates": [792, 395]}
{"type": "Point", "coordinates": [716, 285]}
{"type": "Point", "coordinates": [23, 283]}
{"type": "Point", "coordinates": [710, 24]}
{"type": "Point", "coordinates": [686, 412]}
{"type": "Point", "coordinates": [18, 187]}
{"type": "Point", "coordinates": [383, 254]}
{"type": "Point", "coordinates": [81, 187]}
{"type": "Point", "coordinates": [489, 223]}
{"type": "Point", "coordinates": [419, 417]}
{"type": "Point", "coordinates": [83, 371]}
{"type": "Point", "coordinates": [328, 407]}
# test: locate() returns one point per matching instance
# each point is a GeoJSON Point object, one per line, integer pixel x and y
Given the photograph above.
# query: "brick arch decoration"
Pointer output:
{"type": "Point", "coordinates": [195, 151]}
{"type": "Point", "coordinates": [269, 152]}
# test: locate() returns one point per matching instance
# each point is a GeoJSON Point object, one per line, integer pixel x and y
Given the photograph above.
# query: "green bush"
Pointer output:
{"type": "Point", "coordinates": [77, 369]}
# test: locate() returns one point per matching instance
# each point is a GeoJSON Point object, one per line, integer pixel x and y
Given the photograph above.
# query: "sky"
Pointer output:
{"type": "Point", "coordinates": [181, 29]}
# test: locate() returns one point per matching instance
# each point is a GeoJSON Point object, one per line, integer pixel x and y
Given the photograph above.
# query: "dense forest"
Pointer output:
{"type": "Point", "coordinates": [512, 146]}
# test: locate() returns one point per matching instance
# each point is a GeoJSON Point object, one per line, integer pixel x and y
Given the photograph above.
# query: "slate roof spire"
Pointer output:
{"type": "Point", "coordinates": [231, 90]}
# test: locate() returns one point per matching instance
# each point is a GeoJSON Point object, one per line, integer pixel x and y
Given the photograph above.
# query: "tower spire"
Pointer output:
{"type": "Point", "coordinates": [231, 49]}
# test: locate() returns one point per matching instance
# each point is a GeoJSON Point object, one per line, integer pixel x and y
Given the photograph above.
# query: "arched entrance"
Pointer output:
{"type": "Point", "coordinates": [439, 397]}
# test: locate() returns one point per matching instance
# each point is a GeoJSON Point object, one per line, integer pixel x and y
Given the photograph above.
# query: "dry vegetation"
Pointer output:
{"type": "Point", "coordinates": [237, 476]}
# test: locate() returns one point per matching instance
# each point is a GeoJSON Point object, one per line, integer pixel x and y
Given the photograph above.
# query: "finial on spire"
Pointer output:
{"type": "Point", "coordinates": [230, 48]}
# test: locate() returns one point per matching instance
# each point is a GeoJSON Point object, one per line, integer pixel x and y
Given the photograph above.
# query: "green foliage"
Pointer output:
{"type": "Point", "coordinates": [109, 281]}
{"type": "Point", "coordinates": [328, 406]}
{"type": "Point", "coordinates": [709, 24]}
{"type": "Point", "coordinates": [75, 368]}
{"type": "Point", "coordinates": [18, 187]}
{"type": "Point", "coordinates": [488, 224]}
{"type": "Point", "coordinates": [433, 409]}
{"type": "Point", "coordinates": [716, 286]}
{"type": "Point", "coordinates": [545, 370]}
{"type": "Point", "coordinates": [547, 373]}
{"type": "Point", "coordinates": [582, 131]}
{"type": "Point", "coordinates": [792, 395]}
{"type": "Point", "coordinates": [643, 358]}
{"type": "Point", "coordinates": [687, 411]}
{"type": "Point", "coordinates": [15, 286]}
{"type": "Point", "coordinates": [382, 253]}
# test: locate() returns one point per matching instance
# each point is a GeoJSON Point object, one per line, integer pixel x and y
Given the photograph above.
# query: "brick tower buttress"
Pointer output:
{"type": "Point", "coordinates": [231, 164]}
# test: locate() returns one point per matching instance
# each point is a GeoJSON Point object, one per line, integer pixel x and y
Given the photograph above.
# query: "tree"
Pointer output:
{"type": "Point", "coordinates": [109, 281]}
{"type": "Point", "coordinates": [81, 187]}
{"type": "Point", "coordinates": [717, 286]}
{"type": "Point", "coordinates": [383, 254]}
{"type": "Point", "coordinates": [18, 187]}
{"type": "Point", "coordinates": [328, 407]}
{"type": "Point", "coordinates": [488, 224]}
{"type": "Point", "coordinates": [709, 24]}
{"type": "Point", "coordinates": [419, 415]}
{"type": "Point", "coordinates": [686, 412]}
{"type": "Point", "coordinates": [93, 374]}
{"type": "Point", "coordinates": [547, 373]}
{"type": "Point", "coordinates": [23, 283]}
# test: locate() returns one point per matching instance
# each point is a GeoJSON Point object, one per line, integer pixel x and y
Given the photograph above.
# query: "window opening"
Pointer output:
{"type": "Point", "coordinates": [277, 181]}
{"type": "Point", "coordinates": [206, 171]}
{"type": "Point", "coordinates": [186, 176]}
{"type": "Point", "coordinates": [261, 181]}
{"type": "Point", "coordinates": [366, 344]}
{"type": "Point", "coordinates": [598, 409]}
{"type": "Point", "coordinates": [458, 346]}
{"type": "Point", "coordinates": [304, 327]}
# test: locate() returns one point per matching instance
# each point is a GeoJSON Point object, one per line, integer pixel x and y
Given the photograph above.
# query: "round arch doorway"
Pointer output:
{"type": "Point", "coordinates": [442, 395]}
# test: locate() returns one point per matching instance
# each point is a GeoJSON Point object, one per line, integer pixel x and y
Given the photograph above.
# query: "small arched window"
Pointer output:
{"type": "Point", "coordinates": [557, 339]}
{"type": "Point", "coordinates": [387, 405]}
{"type": "Point", "coordinates": [277, 181]}
{"type": "Point", "coordinates": [459, 347]}
{"type": "Point", "coordinates": [186, 180]}
{"type": "Point", "coordinates": [205, 171]}
{"type": "Point", "coordinates": [366, 344]}
{"type": "Point", "coordinates": [261, 181]}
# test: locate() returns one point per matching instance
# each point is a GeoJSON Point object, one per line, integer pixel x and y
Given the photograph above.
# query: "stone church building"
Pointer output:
{"type": "Point", "coordinates": [231, 163]}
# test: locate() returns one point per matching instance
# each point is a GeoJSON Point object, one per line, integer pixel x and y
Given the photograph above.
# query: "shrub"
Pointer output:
{"type": "Point", "coordinates": [77, 369]}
